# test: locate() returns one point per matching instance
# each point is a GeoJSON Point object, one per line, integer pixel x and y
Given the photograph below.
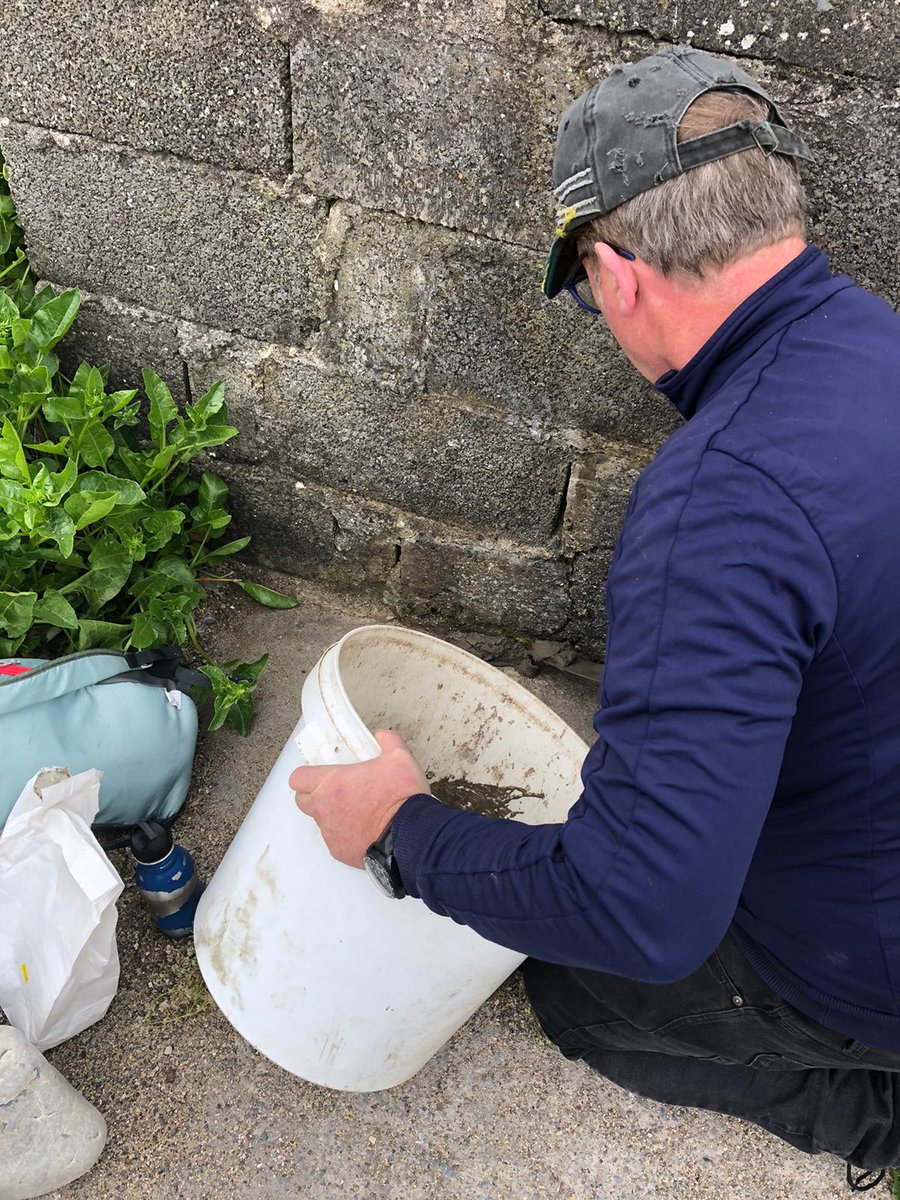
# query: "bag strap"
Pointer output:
{"type": "Point", "coordinates": [159, 668]}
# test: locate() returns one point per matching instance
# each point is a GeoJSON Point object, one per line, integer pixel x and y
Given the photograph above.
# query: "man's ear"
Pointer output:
{"type": "Point", "coordinates": [623, 293]}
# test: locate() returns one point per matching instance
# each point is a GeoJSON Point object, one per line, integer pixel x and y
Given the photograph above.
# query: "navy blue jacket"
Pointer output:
{"type": "Point", "coordinates": [746, 772]}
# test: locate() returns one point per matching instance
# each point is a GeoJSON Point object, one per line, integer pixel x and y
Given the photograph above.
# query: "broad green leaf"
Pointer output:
{"type": "Point", "coordinates": [63, 410]}
{"type": "Point", "coordinates": [49, 447]}
{"type": "Point", "coordinates": [61, 528]}
{"type": "Point", "coordinates": [213, 491]}
{"type": "Point", "coordinates": [16, 612]}
{"type": "Point", "coordinates": [13, 504]}
{"type": "Point", "coordinates": [178, 570]}
{"type": "Point", "coordinates": [161, 527]}
{"type": "Point", "coordinates": [234, 547]}
{"type": "Point", "coordinates": [163, 410]}
{"type": "Point", "coordinates": [62, 481]}
{"type": "Point", "coordinates": [135, 462]}
{"type": "Point", "coordinates": [8, 310]}
{"type": "Point", "coordinates": [95, 444]}
{"type": "Point", "coordinates": [264, 595]}
{"type": "Point", "coordinates": [210, 403]}
{"type": "Point", "coordinates": [127, 490]}
{"type": "Point", "coordinates": [110, 567]}
{"type": "Point", "coordinates": [145, 632]}
{"type": "Point", "coordinates": [54, 609]}
{"type": "Point", "coordinates": [51, 321]}
{"type": "Point", "coordinates": [102, 635]}
{"type": "Point", "coordinates": [13, 463]}
{"type": "Point", "coordinates": [85, 508]}
{"type": "Point", "coordinates": [205, 439]}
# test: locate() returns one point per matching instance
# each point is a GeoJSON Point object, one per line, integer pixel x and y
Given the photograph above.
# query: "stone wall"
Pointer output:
{"type": "Point", "coordinates": [341, 207]}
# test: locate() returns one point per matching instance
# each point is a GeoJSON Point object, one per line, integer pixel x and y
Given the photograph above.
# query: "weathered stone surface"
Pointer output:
{"type": "Point", "coordinates": [465, 315]}
{"type": "Point", "coordinates": [655, 17]}
{"type": "Point", "coordinates": [126, 338]}
{"type": "Point", "coordinates": [198, 79]}
{"type": "Point", "coordinates": [230, 250]}
{"type": "Point", "coordinates": [586, 627]}
{"type": "Point", "coordinates": [423, 453]}
{"type": "Point", "coordinates": [482, 586]}
{"type": "Point", "coordinates": [49, 1134]}
{"type": "Point", "coordinates": [434, 122]}
{"type": "Point", "coordinates": [313, 532]}
{"type": "Point", "coordinates": [819, 34]}
{"type": "Point", "coordinates": [854, 130]}
{"type": "Point", "coordinates": [598, 493]}
{"type": "Point", "coordinates": [490, 332]}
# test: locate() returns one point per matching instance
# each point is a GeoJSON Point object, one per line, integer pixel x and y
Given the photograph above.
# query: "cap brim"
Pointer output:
{"type": "Point", "coordinates": [560, 265]}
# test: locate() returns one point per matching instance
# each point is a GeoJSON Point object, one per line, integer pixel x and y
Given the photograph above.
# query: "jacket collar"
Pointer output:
{"type": "Point", "coordinates": [795, 291]}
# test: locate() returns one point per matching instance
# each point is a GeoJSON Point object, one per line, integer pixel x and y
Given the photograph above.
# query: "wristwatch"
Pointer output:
{"type": "Point", "coordinates": [382, 868]}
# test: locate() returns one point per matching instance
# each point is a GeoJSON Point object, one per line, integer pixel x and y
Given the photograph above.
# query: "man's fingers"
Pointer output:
{"type": "Point", "coordinates": [307, 779]}
{"type": "Point", "coordinates": [389, 739]}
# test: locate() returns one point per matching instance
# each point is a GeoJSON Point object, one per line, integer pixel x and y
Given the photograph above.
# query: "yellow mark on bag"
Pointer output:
{"type": "Point", "coordinates": [24, 970]}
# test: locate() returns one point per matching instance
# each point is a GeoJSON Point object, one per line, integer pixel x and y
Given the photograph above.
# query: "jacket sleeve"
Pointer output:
{"type": "Point", "coordinates": [719, 600]}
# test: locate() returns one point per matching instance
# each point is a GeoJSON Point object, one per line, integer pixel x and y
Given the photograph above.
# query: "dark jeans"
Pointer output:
{"type": "Point", "coordinates": [722, 1040]}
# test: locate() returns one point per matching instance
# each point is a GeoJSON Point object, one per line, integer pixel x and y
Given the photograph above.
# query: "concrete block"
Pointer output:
{"type": "Point", "coordinates": [599, 488]}
{"type": "Point", "coordinates": [464, 314]}
{"type": "Point", "coordinates": [445, 123]}
{"type": "Point", "coordinates": [49, 1134]}
{"type": "Point", "coordinates": [658, 18]}
{"type": "Point", "coordinates": [490, 332]}
{"type": "Point", "coordinates": [423, 453]}
{"type": "Point", "coordinates": [854, 129]}
{"type": "Point", "coordinates": [312, 532]}
{"type": "Point", "coordinates": [496, 588]}
{"type": "Point", "coordinates": [233, 251]}
{"type": "Point", "coordinates": [127, 338]}
{"type": "Point", "coordinates": [821, 35]}
{"type": "Point", "coordinates": [200, 80]}
{"type": "Point", "coordinates": [381, 292]}
{"type": "Point", "coordinates": [587, 626]}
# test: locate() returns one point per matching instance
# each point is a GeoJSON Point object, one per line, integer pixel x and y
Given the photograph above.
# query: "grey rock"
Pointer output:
{"type": "Point", "coordinates": [226, 249]}
{"type": "Point", "coordinates": [598, 493]}
{"type": "Point", "coordinates": [49, 1134]}
{"type": "Point", "coordinates": [814, 34]}
{"type": "Point", "coordinates": [586, 627]}
{"type": "Point", "coordinates": [479, 585]}
{"type": "Point", "coordinates": [316, 533]}
{"type": "Point", "coordinates": [204, 81]}
{"type": "Point", "coordinates": [431, 117]}
{"type": "Point", "coordinates": [464, 315]}
{"type": "Point", "coordinates": [425, 453]}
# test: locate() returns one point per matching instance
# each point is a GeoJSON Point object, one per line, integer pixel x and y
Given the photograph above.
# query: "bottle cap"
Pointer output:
{"type": "Point", "coordinates": [151, 842]}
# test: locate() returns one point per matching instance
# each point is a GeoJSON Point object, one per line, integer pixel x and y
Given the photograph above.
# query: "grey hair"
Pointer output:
{"type": "Point", "coordinates": [714, 213]}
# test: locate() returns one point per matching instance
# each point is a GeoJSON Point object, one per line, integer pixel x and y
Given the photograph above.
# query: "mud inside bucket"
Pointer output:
{"type": "Point", "coordinates": [471, 728]}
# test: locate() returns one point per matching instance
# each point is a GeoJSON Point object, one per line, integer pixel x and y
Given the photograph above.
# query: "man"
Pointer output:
{"type": "Point", "coordinates": [717, 923]}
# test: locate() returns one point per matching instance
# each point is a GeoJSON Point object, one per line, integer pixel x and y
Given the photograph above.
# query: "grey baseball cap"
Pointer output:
{"type": "Point", "coordinates": [620, 139]}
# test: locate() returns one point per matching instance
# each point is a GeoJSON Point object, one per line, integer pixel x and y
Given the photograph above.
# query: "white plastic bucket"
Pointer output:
{"type": "Point", "coordinates": [305, 957]}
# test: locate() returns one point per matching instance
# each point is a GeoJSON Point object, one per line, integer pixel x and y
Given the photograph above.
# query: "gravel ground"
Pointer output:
{"type": "Point", "coordinates": [194, 1112]}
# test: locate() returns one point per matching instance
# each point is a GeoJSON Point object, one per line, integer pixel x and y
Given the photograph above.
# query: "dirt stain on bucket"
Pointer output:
{"type": "Point", "coordinates": [490, 799]}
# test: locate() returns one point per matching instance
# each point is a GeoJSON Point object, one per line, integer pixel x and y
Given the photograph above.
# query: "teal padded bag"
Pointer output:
{"type": "Point", "coordinates": [127, 714]}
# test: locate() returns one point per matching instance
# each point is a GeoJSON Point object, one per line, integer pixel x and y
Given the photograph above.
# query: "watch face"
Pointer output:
{"type": "Point", "coordinates": [379, 874]}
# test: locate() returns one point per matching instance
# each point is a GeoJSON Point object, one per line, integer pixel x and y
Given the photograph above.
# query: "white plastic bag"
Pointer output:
{"type": "Point", "coordinates": [59, 963]}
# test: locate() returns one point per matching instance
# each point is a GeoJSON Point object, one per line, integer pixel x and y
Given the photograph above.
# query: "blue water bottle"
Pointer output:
{"type": "Point", "coordinates": [166, 878]}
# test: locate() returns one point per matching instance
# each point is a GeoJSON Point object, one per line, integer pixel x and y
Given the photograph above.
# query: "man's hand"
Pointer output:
{"type": "Point", "coordinates": [353, 805]}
